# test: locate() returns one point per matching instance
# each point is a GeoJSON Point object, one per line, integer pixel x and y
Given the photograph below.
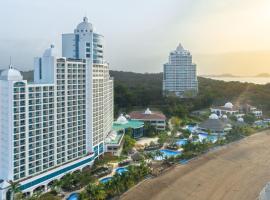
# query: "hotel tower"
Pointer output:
{"type": "Point", "coordinates": [179, 74]}
{"type": "Point", "coordinates": [58, 123]}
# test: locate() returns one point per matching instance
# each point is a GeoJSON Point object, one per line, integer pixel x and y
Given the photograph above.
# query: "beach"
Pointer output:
{"type": "Point", "coordinates": [236, 171]}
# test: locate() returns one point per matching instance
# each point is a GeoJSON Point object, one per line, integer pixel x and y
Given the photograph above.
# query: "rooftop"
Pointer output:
{"type": "Point", "coordinates": [215, 124]}
{"type": "Point", "coordinates": [130, 124]}
{"type": "Point", "coordinates": [228, 107]}
{"type": "Point", "coordinates": [11, 74]}
{"type": "Point", "coordinates": [147, 115]}
{"type": "Point", "coordinates": [116, 139]}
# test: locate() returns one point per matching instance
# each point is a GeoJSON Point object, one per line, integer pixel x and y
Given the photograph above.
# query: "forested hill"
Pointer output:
{"type": "Point", "coordinates": [131, 78]}
{"type": "Point", "coordinates": [142, 90]}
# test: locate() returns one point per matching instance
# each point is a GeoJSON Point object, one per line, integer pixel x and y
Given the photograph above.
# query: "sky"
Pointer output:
{"type": "Point", "coordinates": [224, 36]}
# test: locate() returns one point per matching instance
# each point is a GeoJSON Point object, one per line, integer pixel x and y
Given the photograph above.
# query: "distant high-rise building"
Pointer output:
{"type": "Point", "coordinates": [58, 123]}
{"type": "Point", "coordinates": [179, 74]}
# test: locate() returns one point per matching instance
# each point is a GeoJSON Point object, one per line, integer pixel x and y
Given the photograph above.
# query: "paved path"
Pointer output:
{"type": "Point", "coordinates": [238, 171]}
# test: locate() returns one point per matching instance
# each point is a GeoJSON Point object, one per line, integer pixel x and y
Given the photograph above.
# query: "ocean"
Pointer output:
{"type": "Point", "coordinates": [256, 80]}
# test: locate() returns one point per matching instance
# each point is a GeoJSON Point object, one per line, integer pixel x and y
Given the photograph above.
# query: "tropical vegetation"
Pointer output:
{"type": "Point", "coordinates": [117, 185]}
{"type": "Point", "coordinates": [136, 90]}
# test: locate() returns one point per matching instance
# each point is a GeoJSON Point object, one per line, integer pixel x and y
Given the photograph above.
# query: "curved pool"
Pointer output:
{"type": "Point", "coordinates": [121, 170]}
{"type": "Point", "coordinates": [167, 153]}
{"type": "Point", "coordinates": [181, 142]}
{"type": "Point", "coordinates": [210, 138]}
{"type": "Point", "coordinates": [191, 128]}
{"type": "Point", "coordinates": [73, 196]}
{"type": "Point", "coordinates": [105, 180]}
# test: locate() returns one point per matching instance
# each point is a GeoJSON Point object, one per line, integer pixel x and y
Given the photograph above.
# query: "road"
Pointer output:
{"type": "Point", "coordinates": [237, 171]}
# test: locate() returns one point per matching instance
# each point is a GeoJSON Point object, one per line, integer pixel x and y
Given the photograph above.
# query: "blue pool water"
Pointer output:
{"type": "Point", "coordinates": [210, 138]}
{"type": "Point", "coordinates": [191, 128]}
{"type": "Point", "coordinates": [105, 180]}
{"type": "Point", "coordinates": [73, 196]}
{"type": "Point", "coordinates": [167, 153]}
{"type": "Point", "coordinates": [181, 142]}
{"type": "Point", "coordinates": [121, 170]}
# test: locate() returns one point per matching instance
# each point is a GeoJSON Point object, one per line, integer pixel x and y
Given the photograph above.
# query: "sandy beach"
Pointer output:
{"type": "Point", "coordinates": [237, 171]}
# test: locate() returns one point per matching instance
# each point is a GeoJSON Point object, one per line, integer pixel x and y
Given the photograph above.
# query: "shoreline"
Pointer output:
{"type": "Point", "coordinates": [194, 164]}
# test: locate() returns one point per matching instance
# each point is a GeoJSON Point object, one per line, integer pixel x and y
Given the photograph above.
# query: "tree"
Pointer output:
{"type": "Point", "coordinates": [93, 192]}
{"type": "Point", "coordinates": [71, 182]}
{"type": "Point", "coordinates": [176, 121]}
{"type": "Point", "coordinates": [129, 143]}
{"type": "Point", "coordinates": [49, 196]}
{"type": "Point", "coordinates": [56, 185]}
{"type": "Point", "coordinates": [14, 190]}
{"type": "Point", "coordinates": [162, 138]}
{"type": "Point", "coordinates": [149, 155]}
{"type": "Point", "coordinates": [185, 133]}
{"type": "Point", "coordinates": [249, 118]}
{"type": "Point", "coordinates": [149, 130]}
{"type": "Point", "coordinates": [235, 134]}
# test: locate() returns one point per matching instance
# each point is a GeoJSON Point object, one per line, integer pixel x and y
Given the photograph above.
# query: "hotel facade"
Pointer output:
{"type": "Point", "coordinates": [58, 123]}
{"type": "Point", "coordinates": [180, 75]}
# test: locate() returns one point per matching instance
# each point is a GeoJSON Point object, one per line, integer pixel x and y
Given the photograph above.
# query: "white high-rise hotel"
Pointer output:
{"type": "Point", "coordinates": [179, 74]}
{"type": "Point", "coordinates": [58, 123]}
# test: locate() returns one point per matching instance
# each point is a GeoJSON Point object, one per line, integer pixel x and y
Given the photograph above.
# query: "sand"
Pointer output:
{"type": "Point", "coordinates": [237, 171]}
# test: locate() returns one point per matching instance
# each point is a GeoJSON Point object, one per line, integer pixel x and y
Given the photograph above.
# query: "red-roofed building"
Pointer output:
{"type": "Point", "coordinates": [156, 119]}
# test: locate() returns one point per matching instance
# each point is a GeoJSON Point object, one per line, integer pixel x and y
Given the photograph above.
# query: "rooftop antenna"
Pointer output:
{"type": "Point", "coordinates": [10, 63]}
{"type": "Point", "coordinates": [85, 18]}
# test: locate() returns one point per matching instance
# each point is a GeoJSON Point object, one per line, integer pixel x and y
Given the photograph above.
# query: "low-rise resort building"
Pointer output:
{"type": "Point", "coordinates": [238, 111]}
{"type": "Point", "coordinates": [123, 124]}
{"type": "Point", "coordinates": [156, 119]}
{"type": "Point", "coordinates": [215, 125]}
{"type": "Point", "coordinates": [114, 140]}
{"type": "Point", "coordinates": [228, 108]}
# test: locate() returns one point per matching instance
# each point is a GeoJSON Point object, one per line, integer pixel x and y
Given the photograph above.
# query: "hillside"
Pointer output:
{"type": "Point", "coordinates": [141, 90]}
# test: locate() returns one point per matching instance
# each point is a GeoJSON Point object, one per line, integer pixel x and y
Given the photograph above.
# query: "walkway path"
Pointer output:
{"type": "Point", "coordinates": [238, 171]}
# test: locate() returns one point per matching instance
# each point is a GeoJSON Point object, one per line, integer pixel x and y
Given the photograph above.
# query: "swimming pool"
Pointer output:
{"type": "Point", "coordinates": [167, 153]}
{"type": "Point", "coordinates": [73, 196]}
{"type": "Point", "coordinates": [105, 180]}
{"type": "Point", "coordinates": [181, 142]}
{"type": "Point", "coordinates": [121, 170]}
{"type": "Point", "coordinates": [191, 128]}
{"type": "Point", "coordinates": [210, 138]}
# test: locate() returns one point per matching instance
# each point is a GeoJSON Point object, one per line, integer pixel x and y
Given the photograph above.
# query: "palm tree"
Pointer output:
{"type": "Point", "coordinates": [127, 180]}
{"type": "Point", "coordinates": [149, 155]}
{"type": "Point", "coordinates": [35, 196]}
{"type": "Point", "coordinates": [118, 184]}
{"type": "Point", "coordinates": [94, 192]}
{"type": "Point", "coordinates": [14, 189]}
{"type": "Point", "coordinates": [56, 185]}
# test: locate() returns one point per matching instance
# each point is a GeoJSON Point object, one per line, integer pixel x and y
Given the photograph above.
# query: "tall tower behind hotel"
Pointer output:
{"type": "Point", "coordinates": [179, 74]}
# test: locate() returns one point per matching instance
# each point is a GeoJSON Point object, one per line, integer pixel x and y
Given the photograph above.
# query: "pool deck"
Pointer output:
{"type": "Point", "coordinates": [237, 171]}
